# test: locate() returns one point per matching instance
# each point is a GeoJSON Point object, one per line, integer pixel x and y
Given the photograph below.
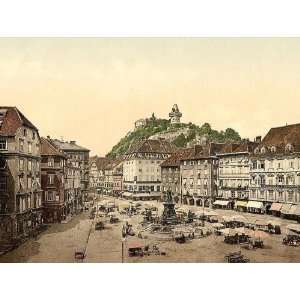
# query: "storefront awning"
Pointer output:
{"type": "Point", "coordinates": [292, 210]}
{"type": "Point", "coordinates": [255, 204]}
{"type": "Point", "coordinates": [153, 194]}
{"type": "Point", "coordinates": [297, 210]}
{"type": "Point", "coordinates": [241, 203]}
{"type": "Point", "coordinates": [276, 206]}
{"type": "Point", "coordinates": [221, 202]}
{"type": "Point", "coordinates": [127, 194]}
{"type": "Point", "coordinates": [285, 208]}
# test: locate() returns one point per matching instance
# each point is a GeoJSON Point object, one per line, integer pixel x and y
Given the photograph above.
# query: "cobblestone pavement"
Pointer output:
{"type": "Point", "coordinates": [59, 242]}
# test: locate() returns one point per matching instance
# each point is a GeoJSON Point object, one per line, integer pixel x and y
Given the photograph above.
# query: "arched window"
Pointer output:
{"type": "Point", "coordinates": [263, 150]}
{"type": "Point", "coordinates": [256, 151]}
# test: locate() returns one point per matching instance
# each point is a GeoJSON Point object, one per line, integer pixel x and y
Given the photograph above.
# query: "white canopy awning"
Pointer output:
{"type": "Point", "coordinates": [221, 202]}
{"type": "Point", "coordinates": [127, 194]}
{"type": "Point", "coordinates": [255, 204]}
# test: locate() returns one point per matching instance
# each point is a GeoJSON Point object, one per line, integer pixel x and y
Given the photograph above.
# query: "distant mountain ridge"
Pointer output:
{"type": "Point", "coordinates": [181, 135]}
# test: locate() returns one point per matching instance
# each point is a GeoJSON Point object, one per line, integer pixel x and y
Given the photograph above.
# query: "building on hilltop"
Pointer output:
{"type": "Point", "coordinates": [175, 115]}
{"type": "Point", "coordinates": [141, 168]}
{"type": "Point", "coordinates": [140, 123]}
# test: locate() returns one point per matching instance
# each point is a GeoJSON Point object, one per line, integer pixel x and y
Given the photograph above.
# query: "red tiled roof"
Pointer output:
{"type": "Point", "coordinates": [280, 137]}
{"type": "Point", "coordinates": [244, 146]}
{"type": "Point", "coordinates": [48, 149]}
{"type": "Point", "coordinates": [11, 119]}
{"type": "Point", "coordinates": [174, 159]}
{"type": "Point", "coordinates": [152, 146]}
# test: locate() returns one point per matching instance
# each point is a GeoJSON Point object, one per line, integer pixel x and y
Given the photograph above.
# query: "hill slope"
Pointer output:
{"type": "Point", "coordinates": [181, 135]}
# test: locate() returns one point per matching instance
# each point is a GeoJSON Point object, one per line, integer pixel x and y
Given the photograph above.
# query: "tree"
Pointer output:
{"type": "Point", "coordinates": [232, 135]}
{"type": "Point", "coordinates": [180, 141]}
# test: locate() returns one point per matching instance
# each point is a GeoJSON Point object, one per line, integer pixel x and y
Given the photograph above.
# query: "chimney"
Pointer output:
{"type": "Point", "coordinates": [73, 142]}
{"type": "Point", "coordinates": [257, 139]}
{"type": "Point", "coordinates": [48, 137]}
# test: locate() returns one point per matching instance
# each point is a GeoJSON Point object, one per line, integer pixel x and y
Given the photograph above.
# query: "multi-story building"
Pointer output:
{"type": "Point", "coordinates": [170, 174]}
{"type": "Point", "coordinates": [275, 171]}
{"type": "Point", "coordinates": [97, 173]}
{"type": "Point", "coordinates": [77, 157]}
{"type": "Point", "coordinates": [53, 182]}
{"type": "Point", "coordinates": [234, 174]}
{"type": "Point", "coordinates": [199, 169]}
{"type": "Point", "coordinates": [141, 168]}
{"type": "Point", "coordinates": [117, 177]}
{"type": "Point", "coordinates": [20, 176]}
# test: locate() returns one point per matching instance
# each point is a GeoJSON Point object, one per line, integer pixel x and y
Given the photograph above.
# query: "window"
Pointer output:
{"type": "Point", "coordinates": [37, 147]}
{"type": "Point", "coordinates": [50, 162]}
{"type": "Point", "coordinates": [3, 144]}
{"type": "Point", "coordinates": [271, 195]}
{"type": "Point", "coordinates": [29, 147]}
{"type": "Point", "coordinates": [29, 183]}
{"type": "Point", "coordinates": [29, 166]}
{"type": "Point", "coordinates": [21, 145]}
{"type": "Point", "coordinates": [280, 194]}
{"type": "Point", "coordinates": [50, 179]}
{"type": "Point", "coordinates": [21, 164]}
{"type": "Point", "coordinates": [25, 132]}
{"type": "Point", "coordinates": [50, 196]}
{"type": "Point", "coordinates": [33, 135]}
{"type": "Point", "coordinates": [3, 183]}
{"type": "Point", "coordinates": [280, 179]}
{"type": "Point", "coordinates": [290, 195]}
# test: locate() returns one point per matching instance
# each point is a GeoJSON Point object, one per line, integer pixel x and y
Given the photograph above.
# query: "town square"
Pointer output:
{"type": "Point", "coordinates": [233, 200]}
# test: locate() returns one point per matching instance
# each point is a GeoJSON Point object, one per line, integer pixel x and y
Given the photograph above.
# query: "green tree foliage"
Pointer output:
{"type": "Point", "coordinates": [155, 125]}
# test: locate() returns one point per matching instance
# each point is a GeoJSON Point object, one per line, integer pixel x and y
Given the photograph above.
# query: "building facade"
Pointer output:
{"type": "Point", "coordinates": [97, 173]}
{"type": "Point", "coordinates": [275, 170]}
{"type": "Point", "coordinates": [141, 168]}
{"type": "Point", "coordinates": [234, 174]}
{"type": "Point", "coordinates": [77, 159]}
{"type": "Point", "coordinates": [20, 183]}
{"type": "Point", "coordinates": [53, 166]}
{"type": "Point", "coordinates": [171, 176]}
{"type": "Point", "coordinates": [199, 169]}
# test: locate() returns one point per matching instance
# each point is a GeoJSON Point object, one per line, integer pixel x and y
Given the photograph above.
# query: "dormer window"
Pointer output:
{"type": "Point", "coordinates": [273, 149]}
{"type": "Point", "coordinates": [288, 148]}
{"type": "Point", "coordinates": [256, 151]}
{"type": "Point", "coordinates": [263, 150]}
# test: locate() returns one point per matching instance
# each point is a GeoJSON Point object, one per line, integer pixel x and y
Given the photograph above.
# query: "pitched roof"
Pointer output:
{"type": "Point", "coordinates": [102, 162]}
{"type": "Point", "coordinates": [49, 149]}
{"type": "Point", "coordinates": [280, 137]}
{"type": "Point", "coordinates": [203, 151]}
{"type": "Point", "coordinates": [68, 146]}
{"type": "Point", "coordinates": [231, 148]}
{"type": "Point", "coordinates": [174, 159]}
{"type": "Point", "coordinates": [152, 146]}
{"type": "Point", "coordinates": [11, 119]}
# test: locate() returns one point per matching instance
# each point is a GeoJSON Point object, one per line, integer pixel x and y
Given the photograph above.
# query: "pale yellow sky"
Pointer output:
{"type": "Point", "coordinates": [93, 89]}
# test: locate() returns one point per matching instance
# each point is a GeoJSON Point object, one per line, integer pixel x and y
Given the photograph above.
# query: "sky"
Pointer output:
{"type": "Point", "coordinates": [92, 90]}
